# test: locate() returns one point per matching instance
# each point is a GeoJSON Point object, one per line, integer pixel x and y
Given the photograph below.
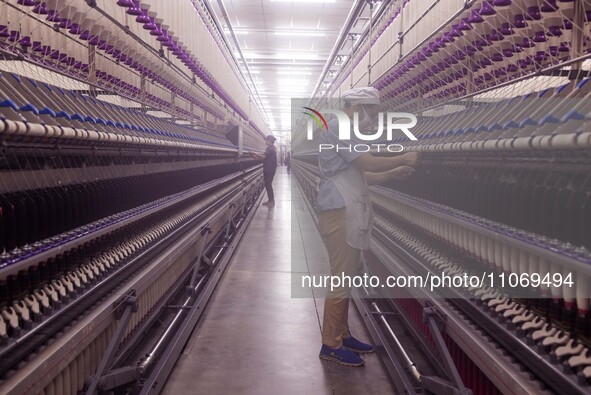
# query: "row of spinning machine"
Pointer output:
{"type": "Point", "coordinates": [122, 189]}
{"type": "Point", "coordinates": [502, 96]}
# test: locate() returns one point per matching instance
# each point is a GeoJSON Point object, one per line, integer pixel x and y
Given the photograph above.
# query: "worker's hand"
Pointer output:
{"type": "Point", "coordinates": [411, 158]}
{"type": "Point", "coordinates": [401, 173]}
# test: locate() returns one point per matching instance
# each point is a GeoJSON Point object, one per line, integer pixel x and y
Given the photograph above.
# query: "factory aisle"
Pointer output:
{"type": "Point", "coordinates": [255, 338]}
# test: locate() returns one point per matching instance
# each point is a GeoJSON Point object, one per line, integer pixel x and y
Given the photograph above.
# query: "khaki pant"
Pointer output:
{"type": "Point", "coordinates": [344, 260]}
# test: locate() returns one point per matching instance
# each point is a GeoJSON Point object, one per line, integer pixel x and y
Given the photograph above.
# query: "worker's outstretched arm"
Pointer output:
{"type": "Point", "coordinates": [377, 164]}
{"type": "Point", "coordinates": [399, 174]}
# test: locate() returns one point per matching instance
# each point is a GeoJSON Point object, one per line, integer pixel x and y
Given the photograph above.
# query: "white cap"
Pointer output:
{"type": "Point", "coordinates": [365, 95]}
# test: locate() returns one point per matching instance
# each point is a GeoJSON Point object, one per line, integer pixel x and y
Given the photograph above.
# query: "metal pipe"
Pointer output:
{"type": "Point", "coordinates": [150, 49]}
{"type": "Point", "coordinates": [409, 363]}
{"type": "Point", "coordinates": [235, 39]}
{"type": "Point", "coordinates": [468, 4]}
{"type": "Point", "coordinates": [383, 7]}
{"type": "Point", "coordinates": [355, 11]}
{"type": "Point", "coordinates": [218, 27]}
{"type": "Point", "coordinates": [513, 81]}
{"type": "Point", "coordinates": [371, 4]}
{"type": "Point", "coordinates": [170, 331]}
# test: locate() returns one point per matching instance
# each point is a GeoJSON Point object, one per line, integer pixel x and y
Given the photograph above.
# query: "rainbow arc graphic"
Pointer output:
{"type": "Point", "coordinates": [316, 116]}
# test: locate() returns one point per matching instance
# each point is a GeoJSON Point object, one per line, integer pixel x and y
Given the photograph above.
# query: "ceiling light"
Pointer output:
{"type": "Point", "coordinates": [303, 1]}
{"type": "Point", "coordinates": [295, 93]}
{"type": "Point", "coordinates": [246, 54]}
{"type": "Point", "coordinates": [294, 82]}
{"type": "Point", "coordinates": [300, 34]}
{"type": "Point", "coordinates": [297, 55]}
{"type": "Point", "coordinates": [294, 72]}
{"type": "Point", "coordinates": [299, 86]}
{"type": "Point", "coordinates": [238, 32]}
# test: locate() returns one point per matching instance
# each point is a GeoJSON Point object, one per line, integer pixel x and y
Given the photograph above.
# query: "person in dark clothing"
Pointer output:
{"type": "Point", "coordinates": [269, 166]}
{"type": "Point", "coordinates": [288, 161]}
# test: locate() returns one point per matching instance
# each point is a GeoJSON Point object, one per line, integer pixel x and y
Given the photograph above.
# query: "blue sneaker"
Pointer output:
{"type": "Point", "coordinates": [341, 356]}
{"type": "Point", "coordinates": [357, 346]}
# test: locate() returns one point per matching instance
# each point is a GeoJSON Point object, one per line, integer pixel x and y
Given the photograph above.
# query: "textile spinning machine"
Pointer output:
{"type": "Point", "coordinates": [123, 190]}
{"type": "Point", "coordinates": [501, 92]}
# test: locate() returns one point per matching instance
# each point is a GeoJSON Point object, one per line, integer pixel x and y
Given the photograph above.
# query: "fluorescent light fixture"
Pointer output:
{"type": "Point", "coordinates": [238, 32]}
{"type": "Point", "coordinates": [303, 1]}
{"type": "Point", "coordinates": [291, 89]}
{"type": "Point", "coordinates": [297, 55]}
{"type": "Point", "coordinates": [246, 54]}
{"type": "Point", "coordinates": [295, 93]}
{"type": "Point", "coordinates": [300, 34]}
{"type": "Point", "coordinates": [294, 82]}
{"type": "Point", "coordinates": [294, 72]}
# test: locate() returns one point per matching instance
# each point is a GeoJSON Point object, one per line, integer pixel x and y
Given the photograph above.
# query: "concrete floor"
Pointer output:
{"type": "Point", "coordinates": [255, 337]}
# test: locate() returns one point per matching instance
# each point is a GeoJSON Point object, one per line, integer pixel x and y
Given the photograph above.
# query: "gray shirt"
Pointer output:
{"type": "Point", "coordinates": [270, 161]}
{"type": "Point", "coordinates": [331, 163]}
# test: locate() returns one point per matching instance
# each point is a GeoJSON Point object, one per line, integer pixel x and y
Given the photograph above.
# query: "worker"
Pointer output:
{"type": "Point", "coordinates": [288, 161]}
{"type": "Point", "coordinates": [269, 167]}
{"type": "Point", "coordinates": [345, 217]}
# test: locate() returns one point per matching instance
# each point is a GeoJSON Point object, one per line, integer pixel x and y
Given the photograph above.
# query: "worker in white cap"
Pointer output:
{"type": "Point", "coordinates": [345, 217]}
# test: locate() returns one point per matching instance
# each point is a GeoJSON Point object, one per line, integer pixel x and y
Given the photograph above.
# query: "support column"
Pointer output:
{"type": "Point", "coordinates": [578, 36]}
{"type": "Point", "coordinates": [92, 70]}
{"type": "Point", "coordinates": [240, 140]}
